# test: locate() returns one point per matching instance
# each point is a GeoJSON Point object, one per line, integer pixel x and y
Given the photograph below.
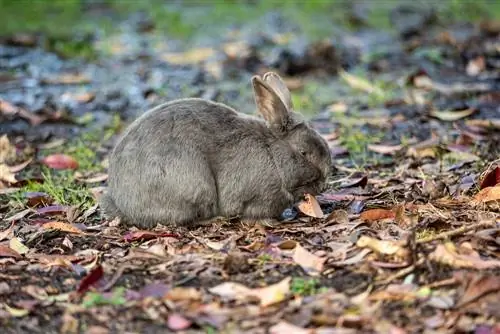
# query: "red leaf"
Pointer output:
{"type": "Point", "coordinates": [95, 275]}
{"type": "Point", "coordinates": [377, 214]}
{"type": "Point", "coordinates": [60, 161]}
{"type": "Point", "coordinates": [146, 235]}
{"type": "Point", "coordinates": [491, 179]}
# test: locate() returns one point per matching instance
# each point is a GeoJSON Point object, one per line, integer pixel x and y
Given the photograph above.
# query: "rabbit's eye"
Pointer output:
{"type": "Point", "coordinates": [303, 152]}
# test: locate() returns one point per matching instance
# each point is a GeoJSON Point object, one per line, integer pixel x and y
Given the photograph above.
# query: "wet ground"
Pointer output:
{"type": "Point", "coordinates": [404, 240]}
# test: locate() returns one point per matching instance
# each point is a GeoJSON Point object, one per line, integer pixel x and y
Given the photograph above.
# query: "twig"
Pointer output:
{"type": "Point", "coordinates": [116, 276]}
{"type": "Point", "coordinates": [401, 273]}
{"type": "Point", "coordinates": [458, 231]}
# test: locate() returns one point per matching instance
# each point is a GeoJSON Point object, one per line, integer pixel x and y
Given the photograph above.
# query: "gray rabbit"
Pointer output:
{"type": "Point", "coordinates": [190, 160]}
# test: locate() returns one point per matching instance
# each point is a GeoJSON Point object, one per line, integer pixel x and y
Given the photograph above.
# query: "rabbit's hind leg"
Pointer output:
{"type": "Point", "coordinates": [182, 191]}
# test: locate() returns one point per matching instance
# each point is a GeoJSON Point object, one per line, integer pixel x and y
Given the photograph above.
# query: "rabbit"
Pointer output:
{"type": "Point", "coordinates": [190, 160]}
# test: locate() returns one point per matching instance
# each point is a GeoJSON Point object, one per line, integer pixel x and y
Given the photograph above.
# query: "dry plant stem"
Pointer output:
{"type": "Point", "coordinates": [458, 231]}
{"type": "Point", "coordinates": [401, 273]}
{"type": "Point", "coordinates": [116, 276]}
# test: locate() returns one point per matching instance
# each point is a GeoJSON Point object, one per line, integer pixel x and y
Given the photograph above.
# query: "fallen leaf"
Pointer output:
{"type": "Point", "coordinates": [386, 247]}
{"type": "Point", "coordinates": [177, 322]}
{"type": "Point", "coordinates": [100, 177]}
{"type": "Point", "coordinates": [491, 179]}
{"type": "Point", "coordinates": [20, 167]}
{"type": "Point", "coordinates": [274, 293]}
{"type": "Point", "coordinates": [6, 251]}
{"type": "Point", "coordinates": [9, 109]}
{"type": "Point", "coordinates": [312, 264]}
{"type": "Point", "coordinates": [475, 66]}
{"type": "Point", "coordinates": [60, 161]}
{"type": "Point", "coordinates": [360, 83]}
{"type": "Point", "coordinates": [267, 296]}
{"type": "Point", "coordinates": [92, 278]}
{"type": "Point", "coordinates": [488, 194]}
{"type": "Point", "coordinates": [190, 57]}
{"type": "Point", "coordinates": [147, 235]}
{"type": "Point", "coordinates": [360, 181]}
{"type": "Point", "coordinates": [183, 294]}
{"type": "Point", "coordinates": [67, 79]}
{"type": "Point", "coordinates": [7, 150]}
{"type": "Point", "coordinates": [16, 245]}
{"type": "Point", "coordinates": [493, 123]}
{"type": "Point", "coordinates": [377, 214]}
{"type": "Point", "coordinates": [19, 215]}
{"type": "Point", "coordinates": [37, 198]}
{"type": "Point", "coordinates": [478, 286]}
{"type": "Point", "coordinates": [284, 327]}
{"type": "Point", "coordinates": [447, 254]}
{"type": "Point", "coordinates": [16, 312]}
{"type": "Point", "coordinates": [53, 209]}
{"type": "Point", "coordinates": [7, 233]}
{"type": "Point", "coordinates": [62, 226]}
{"type": "Point", "coordinates": [451, 116]}
{"type": "Point", "coordinates": [6, 175]}
{"type": "Point", "coordinates": [310, 207]}
{"type": "Point", "coordinates": [385, 149]}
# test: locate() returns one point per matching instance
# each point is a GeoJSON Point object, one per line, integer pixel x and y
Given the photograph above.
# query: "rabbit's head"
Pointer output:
{"type": "Point", "coordinates": [310, 158]}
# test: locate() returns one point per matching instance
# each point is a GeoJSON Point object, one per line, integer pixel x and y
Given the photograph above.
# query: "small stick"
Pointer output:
{"type": "Point", "coordinates": [401, 273]}
{"type": "Point", "coordinates": [452, 233]}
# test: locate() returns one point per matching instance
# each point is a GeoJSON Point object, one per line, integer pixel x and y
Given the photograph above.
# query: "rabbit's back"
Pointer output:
{"type": "Point", "coordinates": [189, 160]}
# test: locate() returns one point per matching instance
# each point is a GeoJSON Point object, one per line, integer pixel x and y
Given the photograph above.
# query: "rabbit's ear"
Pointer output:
{"type": "Point", "coordinates": [270, 105]}
{"type": "Point", "coordinates": [279, 86]}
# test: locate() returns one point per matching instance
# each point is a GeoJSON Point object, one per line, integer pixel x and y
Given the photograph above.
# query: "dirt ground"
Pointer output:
{"type": "Point", "coordinates": [404, 240]}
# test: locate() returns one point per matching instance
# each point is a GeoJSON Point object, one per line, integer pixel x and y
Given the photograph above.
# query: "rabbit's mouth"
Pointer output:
{"type": "Point", "coordinates": [313, 188]}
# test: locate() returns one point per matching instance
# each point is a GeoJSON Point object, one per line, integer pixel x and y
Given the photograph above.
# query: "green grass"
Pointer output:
{"type": "Point", "coordinates": [64, 19]}
{"type": "Point", "coordinates": [306, 287]}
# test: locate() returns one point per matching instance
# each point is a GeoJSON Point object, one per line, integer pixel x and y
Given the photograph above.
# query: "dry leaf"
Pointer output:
{"type": "Point", "coordinates": [450, 116]}
{"type": "Point", "coordinates": [182, 294]}
{"type": "Point", "coordinates": [376, 214]}
{"type": "Point", "coordinates": [385, 149]}
{"type": "Point", "coordinates": [447, 254]}
{"type": "Point", "coordinates": [386, 247]}
{"type": "Point", "coordinates": [284, 327]}
{"type": "Point", "coordinates": [62, 226]}
{"type": "Point", "coordinates": [269, 295]}
{"type": "Point", "coordinates": [491, 179]}
{"type": "Point", "coordinates": [7, 151]}
{"type": "Point", "coordinates": [190, 57]}
{"type": "Point", "coordinates": [67, 79]}
{"type": "Point", "coordinates": [18, 246]}
{"type": "Point", "coordinates": [312, 264]}
{"type": "Point", "coordinates": [488, 194]}
{"type": "Point", "coordinates": [310, 207]}
{"type": "Point", "coordinates": [6, 175]}
{"type": "Point", "coordinates": [6, 251]}
{"type": "Point", "coordinates": [360, 83]}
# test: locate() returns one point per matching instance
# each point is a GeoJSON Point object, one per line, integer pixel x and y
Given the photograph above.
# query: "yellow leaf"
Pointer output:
{"type": "Point", "coordinates": [16, 312]}
{"type": "Point", "coordinates": [451, 116]}
{"type": "Point", "coordinates": [6, 174]}
{"type": "Point", "coordinates": [18, 246]}
{"type": "Point", "coordinates": [190, 57]}
{"type": "Point", "coordinates": [311, 207]}
{"type": "Point", "coordinates": [61, 226]}
{"type": "Point", "coordinates": [360, 83]}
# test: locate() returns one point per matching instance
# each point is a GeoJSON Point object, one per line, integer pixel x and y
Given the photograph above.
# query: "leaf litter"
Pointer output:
{"type": "Point", "coordinates": [404, 239]}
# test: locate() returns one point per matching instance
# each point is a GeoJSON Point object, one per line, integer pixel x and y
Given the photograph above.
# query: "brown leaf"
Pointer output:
{"type": "Point", "coordinates": [146, 235]}
{"type": "Point", "coordinates": [477, 287]}
{"type": "Point", "coordinates": [20, 167]}
{"type": "Point", "coordinates": [447, 254]}
{"type": "Point", "coordinates": [6, 175]}
{"type": "Point", "coordinates": [183, 294]}
{"type": "Point", "coordinates": [493, 123]}
{"type": "Point", "coordinates": [284, 327]}
{"type": "Point", "coordinates": [310, 207]}
{"type": "Point", "coordinates": [385, 149]}
{"type": "Point", "coordinates": [488, 194]}
{"type": "Point", "coordinates": [62, 226]}
{"type": "Point", "coordinates": [7, 150]}
{"type": "Point", "coordinates": [60, 161]}
{"type": "Point", "coordinates": [9, 109]}
{"type": "Point", "coordinates": [38, 198]}
{"type": "Point", "coordinates": [6, 251]}
{"type": "Point", "coordinates": [312, 264]}
{"type": "Point", "coordinates": [7, 233]}
{"type": "Point", "coordinates": [377, 214]}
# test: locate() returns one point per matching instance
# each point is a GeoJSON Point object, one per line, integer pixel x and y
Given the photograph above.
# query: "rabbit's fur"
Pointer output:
{"type": "Point", "coordinates": [190, 160]}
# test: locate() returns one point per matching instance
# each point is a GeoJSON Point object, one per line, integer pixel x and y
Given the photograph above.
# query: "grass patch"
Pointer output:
{"type": "Point", "coordinates": [306, 287]}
